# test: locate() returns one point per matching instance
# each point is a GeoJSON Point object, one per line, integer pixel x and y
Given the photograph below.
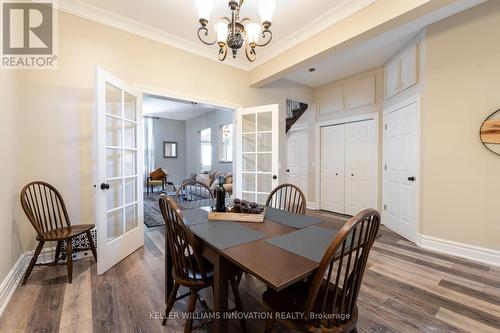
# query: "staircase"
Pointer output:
{"type": "Point", "coordinates": [294, 110]}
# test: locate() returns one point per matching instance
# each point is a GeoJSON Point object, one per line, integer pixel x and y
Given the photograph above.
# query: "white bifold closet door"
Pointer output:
{"type": "Point", "coordinates": [332, 168]}
{"type": "Point", "coordinates": [347, 167]}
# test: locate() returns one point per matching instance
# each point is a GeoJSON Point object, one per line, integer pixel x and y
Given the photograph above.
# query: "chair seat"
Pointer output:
{"type": "Point", "coordinates": [66, 232]}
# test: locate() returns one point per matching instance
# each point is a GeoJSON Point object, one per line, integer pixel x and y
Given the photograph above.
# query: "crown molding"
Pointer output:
{"type": "Point", "coordinates": [96, 14]}
{"type": "Point", "coordinates": [328, 19]}
{"type": "Point", "coordinates": [116, 21]}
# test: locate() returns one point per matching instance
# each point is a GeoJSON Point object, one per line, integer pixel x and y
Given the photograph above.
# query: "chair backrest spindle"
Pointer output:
{"type": "Point", "coordinates": [336, 284]}
{"type": "Point", "coordinates": [44, 207]}
{"type": "Point", "coordinates": [187, 264]}
{"type": "Point", "coordinates": [287, 197]}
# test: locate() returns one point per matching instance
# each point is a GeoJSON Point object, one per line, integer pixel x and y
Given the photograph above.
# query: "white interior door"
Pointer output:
{"type": "Point", "coordinates": [257, 133]}
{"type": "Point", "coordinates": [332, 169]}
{"type": "Point", "coordinates": [120, 163]}
{"type": "Point", "coordinates": [298, 159]}
{"type": "Point", "coordinates": [360, 141]}
{"type": "Point", "coordinates": [400, 171]}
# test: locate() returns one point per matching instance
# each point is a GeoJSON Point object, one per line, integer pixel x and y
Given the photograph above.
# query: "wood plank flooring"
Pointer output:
{"type": "Point", "coordinates": [405, 289]}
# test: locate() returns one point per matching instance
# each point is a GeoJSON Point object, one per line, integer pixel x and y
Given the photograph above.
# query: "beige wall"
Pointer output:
{"type": "Point", "coordinates": [461, 179]}
{"type": "Point", "coordinates": [10, 239]}
{"type": "Point", "coordinates": [54, 140]}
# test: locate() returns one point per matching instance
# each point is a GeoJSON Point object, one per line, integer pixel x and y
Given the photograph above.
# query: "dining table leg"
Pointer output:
{"type": "Point", "coordinates": [220, 289]}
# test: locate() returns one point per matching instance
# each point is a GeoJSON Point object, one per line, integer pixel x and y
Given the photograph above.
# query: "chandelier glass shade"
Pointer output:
{"type": "Point", "coordinates": [235, 32]}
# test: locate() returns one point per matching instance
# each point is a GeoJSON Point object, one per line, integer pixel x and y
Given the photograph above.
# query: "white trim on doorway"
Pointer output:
{"type": "Point", "coordinates": [417, 99]}
{"type": "Point", "coordinates": [345, 120]}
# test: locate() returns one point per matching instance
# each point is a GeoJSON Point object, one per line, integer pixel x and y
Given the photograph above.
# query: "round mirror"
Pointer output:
{"type": "Point", "coordinates": [490, 132]}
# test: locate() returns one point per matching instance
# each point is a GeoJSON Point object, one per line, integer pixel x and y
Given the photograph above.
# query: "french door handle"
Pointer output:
{"type": "Point", "coordinates": [411, 179]}
{"type": "Point", "coordinates": [287, 170]}
{"type": "Point", "coordinates": [104, 186]}
{"type": "Point", "coordinates": [275, 177]}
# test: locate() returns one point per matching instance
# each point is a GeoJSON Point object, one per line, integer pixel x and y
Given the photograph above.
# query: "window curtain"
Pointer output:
{"type": "Point", "coordinates": [149, 146]}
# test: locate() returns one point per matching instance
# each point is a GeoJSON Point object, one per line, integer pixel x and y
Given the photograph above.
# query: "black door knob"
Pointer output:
{"type": "Point", "coordinates": [411, 179]}
{"type": "Point", "coordinates": [275, 177]}
{"type": "Point", "coordinates": [104, 186]}
{"type": "Point", "coordinates": [287, 170]}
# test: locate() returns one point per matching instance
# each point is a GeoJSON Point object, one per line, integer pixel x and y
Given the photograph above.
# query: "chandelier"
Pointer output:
{"type": "Point", "coordinates": [232, 32]}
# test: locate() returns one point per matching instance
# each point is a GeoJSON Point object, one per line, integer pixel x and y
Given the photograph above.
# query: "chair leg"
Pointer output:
{"type": "Point", "coordinates": [354, 330]}
{"type": "Point", "coordinates": [170, 303]}
{"type": "Point", "coordinates": [269, 325]}
{"type": "Point", "coordinates": [69, 261]}
{"type": "Point", "coordinates": [33, 261]}
{"type": "Point", "coordinates": [92, 245]}
{"type": "Point", "coordinates": [188, 327]}
{"type": "Point", "coordinates": [58, 252]}
{"type": "Point", "coordinates": [237, 301]}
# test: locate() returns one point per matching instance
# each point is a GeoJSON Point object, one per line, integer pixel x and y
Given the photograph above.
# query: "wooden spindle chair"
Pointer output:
{"type": "Point", "coordinates": [334, 288]}
{"type": "Point", "coordinates": [190, 269]}
{"type": "Point", "coordinates": [45, 209]}
{"type": "Point", "coordinates": [194, 194]}
{"type": "Point", "coordinates": [287, 197]}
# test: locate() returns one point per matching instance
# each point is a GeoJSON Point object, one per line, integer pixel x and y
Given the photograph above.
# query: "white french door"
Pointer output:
{"type": "Point", "coordinates": [297, 157]}
{"type": "Point", "coordinates": [119, 168]}
{"type": "Point", "coordinates": [257, 134]}
{"type": "Point", "coordinates": [400, 170]}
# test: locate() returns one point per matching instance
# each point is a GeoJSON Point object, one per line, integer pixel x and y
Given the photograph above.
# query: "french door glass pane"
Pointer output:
{"type": "Point", "coordinates": [264, 142]}
{"type": "Point", "coordinates": [265, 162]}
{"type": "Point", "coordinates": [129, 107]}
{"type": "Point", "coordinates": [129, 162]}
{"type": "Point", "coordinates": [248, 182]}
{"type": "Point", "coordinates": [248, 143]}
{"type": "Point", "coordinates": [114, 195]}
{"type": "Point", "coordinates": [130, 137]}
{"type": "Point", "coordinates": [113, 100]}
{"type": "Point", "coordinates": [264, 183]}
{"type": "Point", "coordinates": [115, 224]}
{"type": "Point", "coordinates": [248, 123]}
{"type": "Point", "coordinates": [113, 132]}
{"type": "Point", "coordinates": [130, 217]}
{"type": "Point", "coordinates": [249, 162]}
{"type": "Point", "coordinates": [113, 163]}
{"type": "Point", "coordinates": [264, 121]}
{"type": "Point", "coordinates": [130, 190]}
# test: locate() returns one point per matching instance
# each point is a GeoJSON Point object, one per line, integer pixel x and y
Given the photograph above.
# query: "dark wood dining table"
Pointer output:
{"type": "Point", "coordinates": [274, 266]}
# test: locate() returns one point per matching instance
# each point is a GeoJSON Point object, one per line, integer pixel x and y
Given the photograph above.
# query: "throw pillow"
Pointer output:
{"type": "Point", "coordinates": [203, 178]}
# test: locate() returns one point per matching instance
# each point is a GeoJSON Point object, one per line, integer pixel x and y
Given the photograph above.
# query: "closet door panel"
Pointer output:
{"type": "Point", "coordinates": [359, 156]}
{"type": "Point", "coordinates": [332, 168]}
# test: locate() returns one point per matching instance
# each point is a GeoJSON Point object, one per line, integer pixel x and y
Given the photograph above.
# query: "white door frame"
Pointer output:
{"type": "Point", "coordinates": [376, 163]}
{"type": "Point", "coordinates": [184, 97]}
{"type": "Point", "coordinates": [415, 99]}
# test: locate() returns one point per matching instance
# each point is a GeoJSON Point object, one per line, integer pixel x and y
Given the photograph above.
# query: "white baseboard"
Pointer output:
{"type": "Point", "coordinates": [13, 278]}
{"type": "Point", "coordinates": [11, 281]}
{"type": "Point", "coordinates": [480, 254]}
{"type": "Point", "coordinates": [311, 205]}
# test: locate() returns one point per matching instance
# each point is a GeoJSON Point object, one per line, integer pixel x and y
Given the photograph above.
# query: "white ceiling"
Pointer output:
{"type": "Point", "coordinates": [175, 22]}
{"type": "Point", "coordinates": [169, 109]}
{"type": "Point", "coordinates": [371, 53]}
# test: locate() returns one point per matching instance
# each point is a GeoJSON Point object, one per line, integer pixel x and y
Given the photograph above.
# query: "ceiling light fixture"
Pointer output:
{"type": "Point", "coordinates": [232, 32]}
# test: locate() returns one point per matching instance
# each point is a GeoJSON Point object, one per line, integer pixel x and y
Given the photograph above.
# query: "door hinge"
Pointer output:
{"type": "Point", "coordinates": [385, 166]}
{"type": "Point", "coordinates": [385, 207]}
{"type": "Point", "coordinates": [385, 126]}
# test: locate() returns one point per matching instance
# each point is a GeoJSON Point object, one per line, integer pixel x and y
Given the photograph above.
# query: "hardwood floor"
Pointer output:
{"type": "Point", "coordinates": [405, 289]}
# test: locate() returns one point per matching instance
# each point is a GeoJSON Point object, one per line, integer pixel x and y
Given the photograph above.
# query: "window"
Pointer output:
{"type": "Point", "coordinates": [226, 143]}
{"type": "Point", "coordinates": [206, 149]}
